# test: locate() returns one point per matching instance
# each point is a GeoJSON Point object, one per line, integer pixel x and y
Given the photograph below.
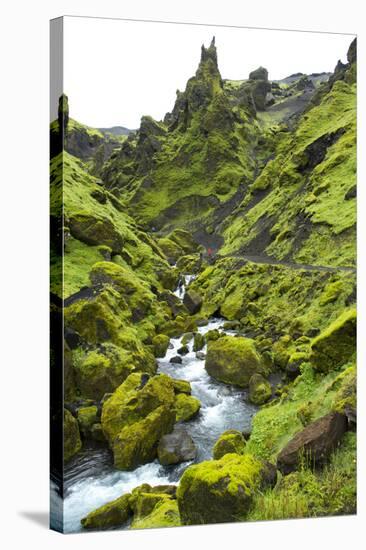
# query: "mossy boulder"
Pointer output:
{"type": "Point", "coordinates": [260, 389]}
{"type": "Point", "coordinates": [87, 416]}
{"type": "Point", "coordinates": [164, 514]}
{"type": "Point", "coordinates": [137, 444]}
{"type": "Point", "coordinates": [160, 343]}
{"type": "Point", "coordinates": [181, 386]}
{"type": "Point", "coordinates": [335, 345]}
{"type": "Point", "coordinates": [191, 263]}
{"type": "Point", "coordinates": [193, 301]}
{"type": "Point", "coordinates": [94, 230]}
{"type": "Point", "coordinates": [186, 407]}
{"type": "Point", "coordinates": [234, 360]}
{"type": "Point", "coordinates": [112, 514]}
{"type": "Point", "coordinates": [72, 441]}
{"type": "Point", "coordinates": [219, 491]}
{"type": "Point", "coordinates": [102, 370]}
{"type": "Point", "coordinates": [199, 342]}
{"type": "Point", "coordinates": [231, 441]}
{"type": "Point", "coordinates": [136, 416]}
{"type": "Point", "coordinates": [184, 240]}
{"type": "Point", "coordinates": [171, 250]}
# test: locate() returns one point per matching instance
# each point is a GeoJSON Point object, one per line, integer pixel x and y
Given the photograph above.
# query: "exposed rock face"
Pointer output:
{"type": "Point", "coordinates": [220, 491]}
{"type": "Point", "coordinates": [260, 389]}
{"type": "Point", "coordinates": [193, 301]}
{"type": "Point", "coordinates": [259, 74]}
{"type": "Point", "coordinates": [233, 360]}
{"type": "Point", "coordinates": [336, 344]}
{"type": "Point", "coordinates": [176, 447]}
{"type": "Point", "coordinates": [231, 441]}
{"type": "Point", "coordinates": [72, 442]}
{"type": "Point", "coordinates": [352, 52]}
{"type": "Point", "coordinates": [315, 442]}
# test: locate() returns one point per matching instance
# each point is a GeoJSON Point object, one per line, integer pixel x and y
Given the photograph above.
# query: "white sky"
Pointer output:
{"type": "Point", "coordinates": [116, 71]}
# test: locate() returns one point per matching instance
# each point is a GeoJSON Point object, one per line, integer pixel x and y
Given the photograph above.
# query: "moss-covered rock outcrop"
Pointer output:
{"type": "Point", "coordinates": [336, 345]}
{"type": "Point", "coordinates": [231, 441]}
{"type": "Point", "coordinates": [136, 416]}
{"type": "Point", "coordinates": [220, 491]}
{"type": "Point", "coordinates": [112, 514]}
{"type": "Point", "coordinates": [186, 407]}
{"type": "Point", "coordinates": [233, 360]}
{"type": "Point", "coordinates": [260, 389]}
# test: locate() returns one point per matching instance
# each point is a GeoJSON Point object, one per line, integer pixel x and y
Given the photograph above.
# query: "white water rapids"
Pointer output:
{"type": "Point", "coordinates": [91, 480]}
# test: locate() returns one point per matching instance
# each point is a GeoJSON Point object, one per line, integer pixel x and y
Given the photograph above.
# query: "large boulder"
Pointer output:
{"type": "Point", "coordinates": [95, 230]}
{"type": "Point", "coordinates": [136, 416]}
{"type": "Point", "coordinates": [160, 343]}
{"type": "Point", "coordinates": [154, 507]}
{"type": "Point", "coordinates": [112, 514]}
{"type": "Point", "coordinates": [234, 360]}
{"type": "Point", "coordinates": [72, 441]}
{"type": "Point", "coordinates": [102, 370]}
{"type": "Point", "coordinates": [259, 74]}
{"type": "Point", "coordinates": [336, 345]}
{"type": "Point", "coordinates": [219, 491]}
{"type": "Point", "coordinates": [259, 389]}
{"type": "Point", "coordinates": [176, 447]}
{"type": "Point", "coordinates": [193, 301]}
{"type": "Point", "coordinates": [231, 441]}
{"type": "Point", "coordinates": [314, 443]}
{"type": "Point", "coordinates": [186, 407]}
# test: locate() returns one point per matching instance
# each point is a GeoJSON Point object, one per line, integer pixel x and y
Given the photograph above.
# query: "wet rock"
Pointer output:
{"type": "Point", "coordinates": [87, 416]}
{"type": "Point", "coordinates": [193, 301]}
{"type": "Point", "coordinates": [315, 442]}
{"type": "Point", "coordinates": [176, 447]}
{"type": "Point", "coordinates": [183, 350]}
{"type": "Point", "coordinates": [199, 342]}
{"type": "Point", "coordinates": [112, 514]}
{"type": "Point", "coordinates": [202, 322]}
{"type": "Point", "coordinates": [200, 355]}
{"type": "Point", "coordinates": [176, 359]}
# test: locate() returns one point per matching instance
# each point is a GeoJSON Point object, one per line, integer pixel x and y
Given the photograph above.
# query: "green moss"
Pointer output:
{"type": "Point", "coordinates": [308, 493]}
{"type": "Point", "coordinates": [182, 386]}
{"type": "Point", "coordinates": [186, 407]}
{"type": "Point", "coordinates": [172, 251]}
{"type": "Point", "coordinates": [259, 389]}
{"type": "Point", "coordinates": [199, 342]}
{"type": "Point", "coordinates": [164, 514]}
{"type": "Point", "coordinates": [87, 416]}
{"type": "Point", "coordinates": [233, 360]}
{"type": "Point", "coordinates": [160, 343]}
{"type": "Point", "coordinates": [336, 344]}
{"type": "Point", "coordinates": [276, 423]}
{"type": "Point", "coordinates": [72, 442]}
{"type": "Point", "coordinates": [231, 441]}
{"type": "Point", "coordinates": [112, 514]}
{"type": "Point", "coordinates": [218, 491]}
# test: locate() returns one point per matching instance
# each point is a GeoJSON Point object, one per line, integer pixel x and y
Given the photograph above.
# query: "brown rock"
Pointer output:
{"type": "Point", "coordinates": [316, 441]}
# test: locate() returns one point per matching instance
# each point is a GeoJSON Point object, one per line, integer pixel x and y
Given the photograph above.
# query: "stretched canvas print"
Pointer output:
{"type": "Point", "coordinates": [203, 274]}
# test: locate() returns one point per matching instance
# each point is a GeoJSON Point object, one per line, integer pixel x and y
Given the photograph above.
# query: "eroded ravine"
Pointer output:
{"type": "Point", "coordinates": [90, 478]}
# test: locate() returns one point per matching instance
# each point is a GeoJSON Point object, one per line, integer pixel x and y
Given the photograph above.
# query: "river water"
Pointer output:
{"type": "Point", "coordinates": [90, 478]}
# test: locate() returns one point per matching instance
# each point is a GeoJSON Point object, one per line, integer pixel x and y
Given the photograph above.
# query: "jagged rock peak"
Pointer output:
{"type": "Point", "coordinates": [209, 53]}
{"type": "Point", "coordinates": [352, 51]}
{"type": "Point", "coordinates": [259, 74]}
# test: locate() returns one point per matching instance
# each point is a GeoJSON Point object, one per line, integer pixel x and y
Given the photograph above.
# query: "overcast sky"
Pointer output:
{"type": "Point", "coordinates": [116, 71]}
